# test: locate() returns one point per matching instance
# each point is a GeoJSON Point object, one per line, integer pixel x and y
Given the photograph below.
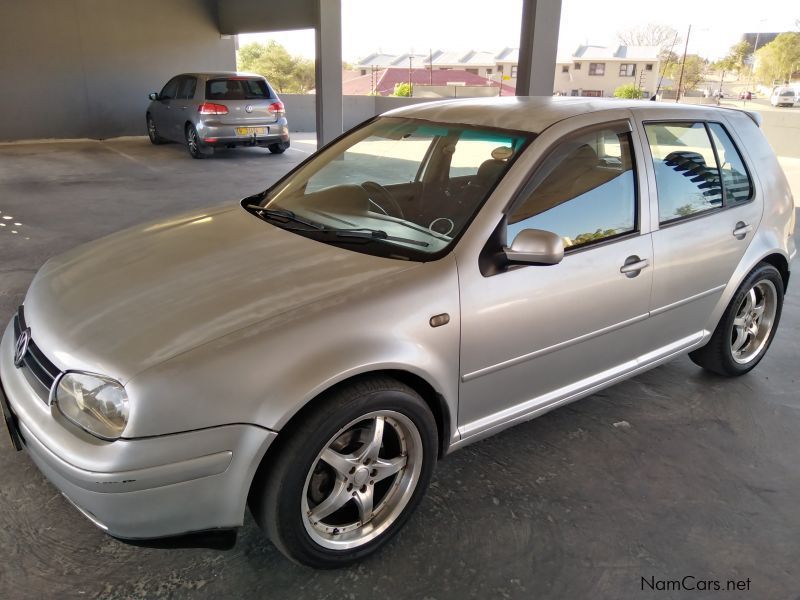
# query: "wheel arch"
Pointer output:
{"type": "Point", "coordinates": [779, 261]}
{"type": "Point", "coordinates": [435, 401]}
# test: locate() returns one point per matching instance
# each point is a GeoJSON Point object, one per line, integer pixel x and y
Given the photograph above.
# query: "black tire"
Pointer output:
{"type": "Point", "coordinates": [195, 145]}
{"type": "Point", "coordinates": [281, 484]}
{"type": "Point", "coordinates": [717, 355]}
{"type": "Point", "coordinates": [278, 148]}
{"type": "Point", "coordinates": [152, 132]}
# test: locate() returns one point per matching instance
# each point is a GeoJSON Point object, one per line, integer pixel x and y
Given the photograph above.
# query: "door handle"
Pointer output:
{"type": "Point", "coordinates": [741, 230]}
{"type": "Point", "coordinates": [633, 265]}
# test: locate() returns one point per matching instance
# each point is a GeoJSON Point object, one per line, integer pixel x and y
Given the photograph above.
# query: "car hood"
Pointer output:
{"type": "Point", "coordinates": [136, 298]}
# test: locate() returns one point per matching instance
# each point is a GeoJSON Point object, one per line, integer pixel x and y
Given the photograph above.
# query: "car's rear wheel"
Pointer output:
{"type": "Point", "coordinates": [348, 474]}
{"type": "Point", "coordinates": [152, 131]}
{"type": "Point", "coordinates": [278, 148]}
{"type": "Point", "coordinates": [195, 145]}
{"type": "Point", "coordinates": [747, 326]}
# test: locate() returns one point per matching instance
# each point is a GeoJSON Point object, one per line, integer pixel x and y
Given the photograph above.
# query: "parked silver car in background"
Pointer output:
{"type": "Point", "coordinates": [436, 275]}
{"type": "Point", "coordinates": [214, 110]}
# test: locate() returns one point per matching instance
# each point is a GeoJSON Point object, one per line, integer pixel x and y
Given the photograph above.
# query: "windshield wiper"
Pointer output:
{"type": "Point", "coordinates": [375, 234]}
{"type": "Point", "coordinates": [284, 215]}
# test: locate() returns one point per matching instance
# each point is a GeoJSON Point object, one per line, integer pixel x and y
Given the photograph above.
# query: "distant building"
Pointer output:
{"type": "Point", "coordinates": [589, 71]}
{"type": "Point", "coordinates": [382, 82]}
{"type": "Point", "coordinates": [599, 70]}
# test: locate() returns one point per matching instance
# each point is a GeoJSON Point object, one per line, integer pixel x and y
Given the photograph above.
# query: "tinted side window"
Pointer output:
{"type": "Point", "coordinates": [687, 177]}
{"type": "Point", "coordinates": [585, 191]}
{"type": "Point", "coordinates": [738, 187]}
{"type": "Point", "coordinates": [169, 91]}
{"type": "Point", "coordinates": [187, 87]}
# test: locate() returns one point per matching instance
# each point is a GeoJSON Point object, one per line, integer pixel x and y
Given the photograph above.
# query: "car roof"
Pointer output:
{"type": "Point", "coordinates": [536, 113]}
{"type": "Point", "coordinates": [214, 74]}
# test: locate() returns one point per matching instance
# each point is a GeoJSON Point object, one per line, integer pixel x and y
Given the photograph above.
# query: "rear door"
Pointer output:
{"type": "Point", "coordinates": [706, 211]}
{"type": "Point", "coordinates": [183, 106]}
{"type": "Point", "coordinates": [250, 100]}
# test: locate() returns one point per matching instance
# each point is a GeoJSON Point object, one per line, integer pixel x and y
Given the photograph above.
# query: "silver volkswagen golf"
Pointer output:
{"type": "Point", "coordinates": [438, 274]}
{"type": "Point", "coordinates": [218, 110]}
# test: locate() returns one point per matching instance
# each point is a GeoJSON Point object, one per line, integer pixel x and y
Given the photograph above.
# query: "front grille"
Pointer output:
{"type": "Point", "coordinates": [35, 363]}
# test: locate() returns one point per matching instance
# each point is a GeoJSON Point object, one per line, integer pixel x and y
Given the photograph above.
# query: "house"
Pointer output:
{"type": "Point", "coordinates": [590, 71]}
{"type": "Point", "coordinates": [599, 70]}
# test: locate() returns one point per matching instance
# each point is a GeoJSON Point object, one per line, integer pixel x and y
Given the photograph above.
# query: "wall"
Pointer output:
{"type": "Point", "coordinates": [357, 109]}
{"type": "Point", "coordinates": [83, 68]}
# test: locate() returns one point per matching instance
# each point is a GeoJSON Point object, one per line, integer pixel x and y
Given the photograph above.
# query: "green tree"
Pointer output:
{"type": "Point", "coordinates": [737, 56]}
{"type": "Point", "coordinates": [693, 73]}
{"type": "Point", "coordinates": [402, 89]}
{"type": "Point", "coordinates": [777, 60]}
{"type": "Point", "coordinates": [628, 90]}
{"type": "Point", "coordinates": [286, 73]}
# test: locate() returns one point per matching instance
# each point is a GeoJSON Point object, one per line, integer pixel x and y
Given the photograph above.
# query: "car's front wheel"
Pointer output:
{"type": "Point", "coordinates": [347, 474]}
{"type": "Point", "coordinates": [152, 131]}
{"type": "Point", "coordinates": [747, 326]}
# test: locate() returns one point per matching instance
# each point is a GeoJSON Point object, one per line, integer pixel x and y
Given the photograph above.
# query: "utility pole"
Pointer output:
{"type": "Point", "coordinates": [683, 65]}
{"type": "Point", "coordinates": [666, 64]}
{"type": "Point", "coordinates": [430, 66]}
{"type": "Point", "coordinates": [410, 85]}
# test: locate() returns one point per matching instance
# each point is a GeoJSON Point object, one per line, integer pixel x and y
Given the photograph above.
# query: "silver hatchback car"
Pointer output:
{"type": "Point", "coordinates": [432, 277]}
{"type": "Point", "coordinates": [213, 110]}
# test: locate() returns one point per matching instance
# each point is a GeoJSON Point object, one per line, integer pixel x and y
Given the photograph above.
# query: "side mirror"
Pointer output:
{"type": "Point", "coordinates": [535, 247]}
{"type": "Point", "coordinates": [153, 95]}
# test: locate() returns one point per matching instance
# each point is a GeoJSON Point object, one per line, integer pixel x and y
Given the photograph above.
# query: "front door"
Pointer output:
{"type": "Point", "coordinates": [534, 336]}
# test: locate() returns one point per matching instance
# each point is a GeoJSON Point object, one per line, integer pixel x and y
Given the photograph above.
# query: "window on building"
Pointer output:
{"type": "Point", "coordinates": [687, 174]}
{"type": "Point", "coordinates": [597, 68]}
{"type": "Point", "coordinates": [565, 69]}
{"type": "Point", "coordinates": [575, 93]}
{"type": "Point", "coordinates": [577, 66]}
{"type": "Point", "coordinates": [627, 70]}
{"type": "Point", "coordinates": [513, 71]}
{"type": "Point", "coordinates": [585, 191]}
{"type": "Point", "coordinates": [363, 71]}
{"type": "Point", "coordinates": [592, 93]}
{"type": "Point", "coordinates": [648, 67]}
{"type": "Point", "coordinates": [488, 71]}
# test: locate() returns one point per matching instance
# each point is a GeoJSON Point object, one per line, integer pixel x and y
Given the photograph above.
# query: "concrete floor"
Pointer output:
{"type": "Point", "coordinates": [673, 473]}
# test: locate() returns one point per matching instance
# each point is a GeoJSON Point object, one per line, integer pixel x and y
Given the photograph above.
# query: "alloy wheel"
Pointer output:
{"type": "Point", "coordinates": [362, 480]}
{"type": "Point", "coordinates": [754, 321]}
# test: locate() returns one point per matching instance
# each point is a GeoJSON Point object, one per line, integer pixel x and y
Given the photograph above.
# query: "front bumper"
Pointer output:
{"type": "Point", "coordinates": [136, 488]}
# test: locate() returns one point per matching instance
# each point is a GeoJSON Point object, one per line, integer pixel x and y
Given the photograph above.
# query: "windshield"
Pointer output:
{"type": "Point", "coordinates": [396, 187]}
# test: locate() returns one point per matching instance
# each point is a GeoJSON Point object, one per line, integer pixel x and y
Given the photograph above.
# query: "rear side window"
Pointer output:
{"type": "Point", "coordinates": [169, 91]}
{"type": "Point", "coordinates": [687, 176]}
{"type": "Point", "coordinates": [187, 87]}
{"type": "Point", "coordinates": [735, 180]}
{"type": "Point", "coordinates": [239, 88]}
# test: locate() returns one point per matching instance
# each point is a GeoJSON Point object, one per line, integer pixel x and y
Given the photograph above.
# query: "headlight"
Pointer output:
{"type": "Point", "coordinates": [95, 403]}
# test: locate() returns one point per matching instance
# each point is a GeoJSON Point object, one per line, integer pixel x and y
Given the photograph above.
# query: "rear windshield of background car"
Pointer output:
{"type": "Point", "coordinates": [237, 89]}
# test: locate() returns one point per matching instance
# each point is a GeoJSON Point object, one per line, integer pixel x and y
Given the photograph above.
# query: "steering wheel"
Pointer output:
{"type": "Point", "coordinates": [380, 197]}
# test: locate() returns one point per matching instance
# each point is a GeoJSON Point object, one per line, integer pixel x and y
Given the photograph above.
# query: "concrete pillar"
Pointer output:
{"type": "Point", "coordinates": [329, 70]}
{"type": "Point", "coordinates": [538, 44]}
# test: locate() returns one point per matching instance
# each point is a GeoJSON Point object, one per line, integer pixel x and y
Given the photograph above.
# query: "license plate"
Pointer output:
{"type": "Point", "coordinates": [251, 130]}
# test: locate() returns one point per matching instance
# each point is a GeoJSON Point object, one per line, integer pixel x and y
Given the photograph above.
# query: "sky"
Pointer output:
{"type": "Point", "coordinates": [396, 26]}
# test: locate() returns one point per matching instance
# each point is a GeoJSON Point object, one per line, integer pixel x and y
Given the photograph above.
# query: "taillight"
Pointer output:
{"type": "Point", "coordinates": [209, 108]}
{"type": "Point", "coordinates": [277, 108]}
